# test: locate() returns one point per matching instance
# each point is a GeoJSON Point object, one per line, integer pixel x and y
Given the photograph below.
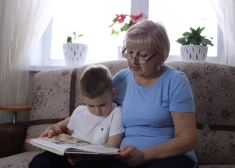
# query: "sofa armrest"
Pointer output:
{"type": "Point", "coordinates": [12, 138]}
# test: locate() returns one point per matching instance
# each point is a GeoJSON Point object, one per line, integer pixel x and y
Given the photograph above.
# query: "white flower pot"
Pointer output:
{"type": "Point", "coordinates": [193, 52]}
{"type": "Point", "coordinates": [75, 53]}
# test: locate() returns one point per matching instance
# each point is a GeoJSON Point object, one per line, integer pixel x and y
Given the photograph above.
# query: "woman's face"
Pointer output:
{"type": "Point", "coordinates": [143, 61]}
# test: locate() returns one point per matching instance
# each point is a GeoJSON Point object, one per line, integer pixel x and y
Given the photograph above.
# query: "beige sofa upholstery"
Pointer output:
{"type": "Point", "coordinates": [214, 90]}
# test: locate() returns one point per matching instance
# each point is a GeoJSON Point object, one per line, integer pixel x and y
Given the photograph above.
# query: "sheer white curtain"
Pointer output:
{"type": "Point", "coordinates": [225, 10]}
{"type": "Point", "coordinates": [22, 24]}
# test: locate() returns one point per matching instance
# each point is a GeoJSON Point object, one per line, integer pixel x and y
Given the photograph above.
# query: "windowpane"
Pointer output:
{"type": "Point", "coordinates": [91, 18]}
{"type": "Point", "coordinates": [178, 16]}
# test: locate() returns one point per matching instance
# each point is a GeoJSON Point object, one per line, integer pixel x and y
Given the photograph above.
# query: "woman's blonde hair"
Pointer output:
{"type": "Point", "coordinates": [149, 33]}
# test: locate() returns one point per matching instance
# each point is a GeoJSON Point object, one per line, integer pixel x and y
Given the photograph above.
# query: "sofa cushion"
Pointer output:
{"type": "Point", "coordinates": [34, 131]}
{"type": "Point", "coordinates": [50, 99]}
{"type": "Point", "coordinates": [214, 94]}
{"type": "Point", "coordinates": [50, 94]}
{"type": "Point", "coordinates": [214, 91]}
{"type": "Point", "coordinates": [217, 147]}
{"type": "Point", "coordinates": [18, 161]}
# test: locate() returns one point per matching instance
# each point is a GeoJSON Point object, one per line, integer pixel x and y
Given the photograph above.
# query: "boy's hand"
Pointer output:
{"type": "Point", "coordinates": [58, 128]}
{"type": "Point", "coordinates": [74, 159]}
{"type": "Point", "coordinates": [51, 131]}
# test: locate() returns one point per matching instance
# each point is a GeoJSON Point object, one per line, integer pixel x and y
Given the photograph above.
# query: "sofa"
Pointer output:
{"type": "Point", "coordinates": [55, 93]}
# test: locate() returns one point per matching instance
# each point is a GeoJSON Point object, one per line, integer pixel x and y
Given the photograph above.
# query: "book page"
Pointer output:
{"type": "Point", "coordinates": [58, 152]}
{"type": "Point", "coordinates": [59, 143]}
{"type": "Point", "coordinates": [100, 149]}
{"type": "Point", "coordinates": [63, 143]}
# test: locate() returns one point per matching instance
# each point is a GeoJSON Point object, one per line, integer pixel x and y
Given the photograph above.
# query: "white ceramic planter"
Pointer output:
{"type": "Point", "coordinates": [75, 53]}
{"type": "Point", "coordinates": [193, 52]}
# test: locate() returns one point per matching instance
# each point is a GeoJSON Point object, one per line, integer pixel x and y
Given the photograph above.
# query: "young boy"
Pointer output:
{"type": "Point", "coordinates": [99, 122]}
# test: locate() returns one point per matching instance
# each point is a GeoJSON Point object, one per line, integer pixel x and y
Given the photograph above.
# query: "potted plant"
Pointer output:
{"type": "Point", "coordinates": [75, 53]}
{"type": "Point", "coordinates": [194, 46]}
{"type": "Point", "coordinates": [121, 23]}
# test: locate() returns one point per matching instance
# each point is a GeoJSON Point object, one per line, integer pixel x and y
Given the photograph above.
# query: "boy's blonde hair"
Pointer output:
{"type": "Point", "coordinates": [149, 33]}
{"type": "Point", "coordinates": [95, 81]}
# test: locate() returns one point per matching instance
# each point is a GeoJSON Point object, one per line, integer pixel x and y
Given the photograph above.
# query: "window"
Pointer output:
{"type": "Point", "coordinates": [178, 16]}
{"type": "Point", "coordinates": [92, 19]}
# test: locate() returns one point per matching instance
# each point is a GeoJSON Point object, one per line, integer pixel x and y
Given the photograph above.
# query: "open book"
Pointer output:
{"type": "Point", "coordinates": [65, 144]}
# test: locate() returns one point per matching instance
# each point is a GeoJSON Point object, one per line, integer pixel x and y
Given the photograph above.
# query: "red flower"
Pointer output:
{"type": "Point", "coordinates": [125, 25]}
{"type": "Point", "coordinates": [120, 18]}
{"type": "Point", "coordinates": [136, 17]}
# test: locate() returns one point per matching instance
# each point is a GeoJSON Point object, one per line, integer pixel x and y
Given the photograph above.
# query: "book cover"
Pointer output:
{"type": "Point", "coordinates": [65, 144]}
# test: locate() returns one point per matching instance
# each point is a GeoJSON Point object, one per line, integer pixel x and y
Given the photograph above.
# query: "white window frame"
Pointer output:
{"type": "Point", "coordinates": [137, 6]}
{"type": "Point", "coordinates": [143, 6]}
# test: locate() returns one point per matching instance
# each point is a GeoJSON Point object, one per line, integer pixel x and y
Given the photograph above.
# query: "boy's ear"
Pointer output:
{"type": "Point", "coordinates": [113, 93]}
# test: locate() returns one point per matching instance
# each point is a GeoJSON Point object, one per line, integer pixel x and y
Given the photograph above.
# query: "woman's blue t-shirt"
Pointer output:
{"type": "Point", "coordinates": [147, 110]}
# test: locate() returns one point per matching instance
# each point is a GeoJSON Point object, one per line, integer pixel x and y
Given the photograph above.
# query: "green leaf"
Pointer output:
{"type": "Point", "coordinates": [80, 35]}
{"type": "Point", "coordinates": [199, 30]}
{"type": "Point", "coordinates": [115, 32]}
{"type": "Point", "coordinates": [125, 27]}
{"type": "Point", "coordinates": [194, 37]}
{"type": "Point", "coordinates": [182, 41]}
{"type": "Point", "coordinates": [131, 23]}
{"type": "Point", "coordinates": [192, 30]}
{"type": "Point", "coordinates": [206, 42]}
{"type": "Point", "coordinates": [69, 39]}
{"type": "Point", "coordinates": [186, 34]}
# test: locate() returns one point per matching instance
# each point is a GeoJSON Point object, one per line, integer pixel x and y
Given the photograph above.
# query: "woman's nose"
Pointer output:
{"type": "Point", "coordinates": [135, 60]}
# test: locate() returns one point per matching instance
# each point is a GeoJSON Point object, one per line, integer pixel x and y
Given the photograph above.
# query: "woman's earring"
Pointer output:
{"type": "Point", "coordinates": [158, 67]}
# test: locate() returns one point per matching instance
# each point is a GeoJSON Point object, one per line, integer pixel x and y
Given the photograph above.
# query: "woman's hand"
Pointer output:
{"type": "Point", "coordinates": [131, 156]}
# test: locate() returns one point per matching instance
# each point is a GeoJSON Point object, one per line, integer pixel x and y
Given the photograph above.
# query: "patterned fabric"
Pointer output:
{"type": "Point", "coordinates": [32, 132]}
{"type": "Point", "coordinates": [18, 161]}
{"type": "Point", "coordinates": [215, 147]}
{"type": "Point", "coordinates": [50, 94]}
{"type": "Point", "coordinates": [50, 99]}
{"type": "Point", "coordinates": [214, 90]}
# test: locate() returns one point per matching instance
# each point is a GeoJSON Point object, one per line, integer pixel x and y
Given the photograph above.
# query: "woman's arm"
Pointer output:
{"type": "Point", "coordinates": [60, 127]}
{"type": "Point", "coordinates": [184, 141]}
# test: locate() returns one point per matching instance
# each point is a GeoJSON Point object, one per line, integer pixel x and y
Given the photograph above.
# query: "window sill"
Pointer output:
{"type": "Point", "coordinates": [38, 68]}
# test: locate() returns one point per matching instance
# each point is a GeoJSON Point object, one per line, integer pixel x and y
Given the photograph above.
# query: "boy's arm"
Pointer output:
{"type": "Point", "coordinates": [117, 130]}
{"type": "Point", "coordinates": [115, 141]}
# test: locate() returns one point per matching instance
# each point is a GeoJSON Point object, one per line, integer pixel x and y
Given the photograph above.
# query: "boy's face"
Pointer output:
{"type": "Point", "coordinates": [102, 105]}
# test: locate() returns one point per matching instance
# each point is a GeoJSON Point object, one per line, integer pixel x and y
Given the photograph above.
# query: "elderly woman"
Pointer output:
{"type": "Point", "coordinates": [157, 101]}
